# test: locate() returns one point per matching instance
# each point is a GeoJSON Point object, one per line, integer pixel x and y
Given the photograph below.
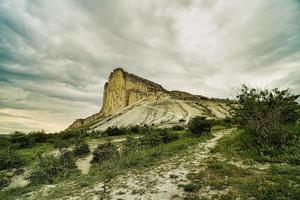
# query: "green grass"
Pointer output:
{"type": "Point", "coordinates": [239, 145]}
{"type": "Point", "coordinates": [147, 156]}
{"type": "Point", "coordinates": [279, 181]}
{"type": "Point", "coordinates": [29, 154]}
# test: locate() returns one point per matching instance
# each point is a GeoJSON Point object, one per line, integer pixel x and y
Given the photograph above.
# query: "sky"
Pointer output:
{"type": "Point", "coordinates": [55, 56]}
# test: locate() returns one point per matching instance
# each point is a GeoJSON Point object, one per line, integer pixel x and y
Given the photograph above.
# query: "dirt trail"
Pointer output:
{"type": "Point", "coordinates": [162, 181]}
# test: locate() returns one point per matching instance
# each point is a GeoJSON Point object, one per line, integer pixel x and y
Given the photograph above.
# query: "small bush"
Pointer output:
{"type": "Point", "coordinates": [9, 159]}
{"type": "Point", "coordinates": [134, 129]}
{"type": "Point", "coordinates": [190, 188]}
{"type": "Point", "coordinates": [158, 136]}
{"type": "Point", "coordinates": [152, 139]}
{"type": "Point", "coordinates": [21, 140]}
{"type": "Point", "coordinates": [115, 131]}
{"type": "Point", "coordinates": [40, 136]}
{"type": "Point", "coordinates": [49, 168]}
{"type": "Point", "coordinates": [104, 152]}
{"type": "Point", "coordinates": [131, 144]}
{"type": "Point", "coordinates": [61, 143]}
{"type": "Point", "coordinates": [181, 120]}
{"type": "Point", "coordinates": [4, 142]}
{"type": "Point", "coordinates": [178, 128]}
{"type": "Point", "coordinates": [167, 135]}
{"type": "Point", "coordinates": [81, 149]}
{"type": "Point", "coordinates": [4, 180]}
{"type": "Point", "coordinates": [199, 125]}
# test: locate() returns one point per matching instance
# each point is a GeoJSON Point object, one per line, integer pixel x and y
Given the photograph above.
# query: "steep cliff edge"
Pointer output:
{"type": "Point", "coordinates": [124, 89]}
{"type": "Point", "coordinates": [147, 103]}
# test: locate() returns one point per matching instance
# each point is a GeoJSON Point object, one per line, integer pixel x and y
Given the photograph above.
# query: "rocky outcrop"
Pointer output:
{"type": "Point", "coordinates": [124, 91]}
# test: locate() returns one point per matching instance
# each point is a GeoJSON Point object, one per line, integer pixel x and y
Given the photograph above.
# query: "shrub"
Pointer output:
{"type": "Point", "coordinates": [156, 137]}
{"type": "Point", "coordinates": [199, 125]}
{"type": "Point", "coordinates": [81, 149]}
{"type": "Point", "coordinates": [167, 135]}
{"type": "Point", "coordinates": [266, 114]}
{"type": "Point", "coordinates": [4, 180]}
{"type": "Point", "coordinates": [134, 129]}
{"type": "Point", "coordinates": [131, 144]}
{"type": "Point", "coordinates": [9, 159]}
{"type": "Point", "coordinates": [4, 142]}
{"type": "Point", "coordinates": [49, 168]}
{"type": "Point", "coordinates": [21, 140]}
{"type": "Point", "coordinates": [39, 136]}
{"type": "Point", "coordinates": [152, 139]}
{"type": "Point", "coordinates": [181, 120]}
{"type": "Point", "coordinates": [61, 143]}
{"type": "Point", "coordinates": [114, 131]}
{"type": "Point", "coordinates": [178, 128]}
{"type": "Point", "coordinates": [105, 152]}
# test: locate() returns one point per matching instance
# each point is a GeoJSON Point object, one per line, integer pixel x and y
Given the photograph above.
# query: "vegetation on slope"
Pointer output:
{"type": "Point", "coordinates": [260, 160]}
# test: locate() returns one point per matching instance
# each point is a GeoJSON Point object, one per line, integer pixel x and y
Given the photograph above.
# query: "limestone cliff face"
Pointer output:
{"type": "Point", "coordinates": [124, 89]}
{"type": "Point", "coordinates": [156, 105]}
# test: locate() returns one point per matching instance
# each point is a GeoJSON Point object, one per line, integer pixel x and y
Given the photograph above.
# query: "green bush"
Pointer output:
{"type": "Point", "coordinates": [266, 115]}
{"type": "Point", "coordinates": [104, 152]}
{"type": "Point", "coordinates": [9, 159]}
{"type": "Point", "coordinates": [4, 180]}
{"type": "Point", "coordinates": [199, 125]}
{"type": "Point", "coordinates": [81, 149]}
{"type": "Point", "coordinates": [114, 131]}
{"type": "Point", "coordinates": [49, 168]}
{"type": "Point", "coordinates": [21, 140]}
{"type": "Point", "coordinates": [152, 139]}
{"type": "Point", "coordinates": [60, 143]}
{"type": "Point", "coordinates": [156, 137]}
{"type": "Point", "coordinates": [167, 135]}
{"type": "Point", "coordinates": [131, 144]}
{"type": "Point", "coordinates": [178, 128]}
{"type": "Point", "coordinates": [40, 136]}
{"type": "Point", "coordinates": [134, 129]}
{"type": "Point", "coordinates": [4, 142]}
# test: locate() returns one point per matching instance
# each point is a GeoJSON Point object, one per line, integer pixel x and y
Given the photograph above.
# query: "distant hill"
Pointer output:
{"type": "Point", "coordinates": [131, 100]}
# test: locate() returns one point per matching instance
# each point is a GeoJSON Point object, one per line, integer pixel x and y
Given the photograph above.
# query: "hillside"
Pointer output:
{"type": "Point", "coordinates": [131, 100]}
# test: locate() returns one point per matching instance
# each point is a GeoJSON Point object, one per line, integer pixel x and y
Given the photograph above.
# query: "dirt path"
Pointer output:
{"type": "Point", "coordinates": [162, 181]}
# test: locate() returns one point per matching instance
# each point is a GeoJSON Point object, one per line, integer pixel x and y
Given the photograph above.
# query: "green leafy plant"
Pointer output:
{"type": "Point", "coordinates": [178, 128]}
{"type": "Point", "coordinates": [21, 140]}
{"type": "Point", "coordinates": [266, 114]}
{"type": "Point", "coordinates": [199, 125]}
{"type": "Point", "coordinates": [105, 152]}
{"type": "Point", "coordinates": [49, 168]}
{"type": "Point", "coordinates": [81, 149]}
{"type": "Point", "coordinates": [10, 159]}
{"type": "Point", "coordinates": [114, 131]}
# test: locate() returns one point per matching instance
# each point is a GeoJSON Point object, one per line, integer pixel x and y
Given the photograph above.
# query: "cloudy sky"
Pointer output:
{"type": "Point", "coordinates": [55, 56]}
